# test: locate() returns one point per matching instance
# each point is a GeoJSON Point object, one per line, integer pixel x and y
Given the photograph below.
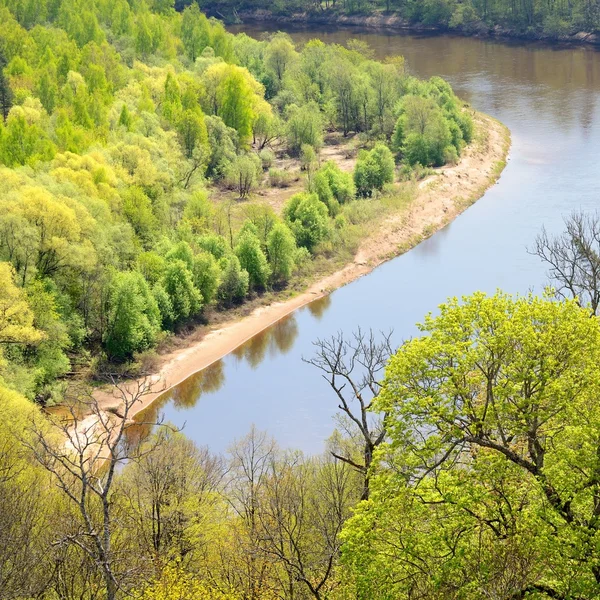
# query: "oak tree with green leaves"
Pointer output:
{"type": "Point", "coordinates": [489, 485]}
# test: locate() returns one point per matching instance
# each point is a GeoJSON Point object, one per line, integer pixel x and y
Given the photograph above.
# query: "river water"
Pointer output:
{"type": "Point", "coordinates": [549, 100]}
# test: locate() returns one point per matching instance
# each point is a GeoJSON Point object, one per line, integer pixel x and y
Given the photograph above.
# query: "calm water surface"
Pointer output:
{"type": "Point", "coordinates": [549, 100]}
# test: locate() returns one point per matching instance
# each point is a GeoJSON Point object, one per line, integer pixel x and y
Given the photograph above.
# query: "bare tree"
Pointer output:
{"type": "Point", "coordinates": [354, 369]}
{"type": "Point", "coordinates": [573, 258]}
{"type": "Point", "coordinates": [306, 504]}
{"type": "Point", "coordinates": [167, 490]}
{"type": "Point", "coordinates": [250, 459]}
{"type": "Point", "coordinates": [83, 453]}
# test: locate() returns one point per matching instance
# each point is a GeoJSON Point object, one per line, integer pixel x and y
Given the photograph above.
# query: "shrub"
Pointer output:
{"type": "Point", "coordinates": [373, 170]}
{"type": "Point", "coordinates": [280, 178]}
{"type": "Point", "coordinates": [242, 174]}
{"type": "Point", "coordinates": [266, 157]}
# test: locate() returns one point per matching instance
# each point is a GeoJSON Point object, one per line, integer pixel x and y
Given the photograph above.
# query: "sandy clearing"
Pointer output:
{"type": "Point", "coordinates": [441, 198]}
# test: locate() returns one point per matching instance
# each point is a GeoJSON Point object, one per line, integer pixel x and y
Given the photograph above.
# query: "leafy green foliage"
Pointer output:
{"type": "Point", "coordinates": [373, 170]}
{"type": "Point", "coordinates": [134, 317]}
{"type": "Point", "coordinates": [252, 259]}
{"type": "Point", "coordinates": [234, 281]}
{"type": "Point", "coordinates": [506, 390]}
{"type": "Point", "coordinates": [307, 218]}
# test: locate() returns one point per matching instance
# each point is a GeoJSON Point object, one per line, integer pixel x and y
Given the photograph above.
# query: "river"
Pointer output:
{"type": "Point", "coordinates": [549, 100]}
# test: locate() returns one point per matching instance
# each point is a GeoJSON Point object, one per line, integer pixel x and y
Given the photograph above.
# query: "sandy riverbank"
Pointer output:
{"type": "Point", "coordinates": [440, 198]}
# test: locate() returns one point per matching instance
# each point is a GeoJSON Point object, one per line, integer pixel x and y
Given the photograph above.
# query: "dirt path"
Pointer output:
{"type": "Point", "coordinates": [441, 198]}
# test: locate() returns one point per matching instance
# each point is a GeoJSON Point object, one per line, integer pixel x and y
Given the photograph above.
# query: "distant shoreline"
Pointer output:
{"type": "Point", "coordinates": [394, 22]}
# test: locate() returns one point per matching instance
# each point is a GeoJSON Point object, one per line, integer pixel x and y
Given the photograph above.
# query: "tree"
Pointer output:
{"type": "Point", "coordinates": [234, 281]}
{"type": "Point", "coordinates": [307, 217]}
{"type": "Point", "coordinates": [353, 368]}
{"type": "Point", "coordinates": [487, 416]}
{"type": "Point", "coordinates": [134, 317]}
{"type": "Point", "coordinates": [178, 282]}
{"type": "Point", "coordinates": [193, 134]}
{"type": "Point", "coordinates": [573, 258]}
{"type": "Point", "coordinates": [170, 490]}
{"type": "Point", "coordinates": [281, 250]}
{"type": "Point", "coordinates": [373, 170]}
{"type": "Point", "coordinates": [242, 173]}
{"type": "Point", "coordinates": [75, 468]}
{"type": "Point", "coordinates": [253, 260]}
{"type": "Point", "coordinates": [16, 316]}
{"type": "Point", "coordinates": [236, 100]}
{"type": "Point", "coordinates": [207, 275]}
{"type": "Point", "coordinates": [195, 31]}
{"type": "Point", "coordinates": [304, 126]}
{"type": "Point", "coordinates": [6, 93]}
{"type": "Point", "coordinates": [279, 55]}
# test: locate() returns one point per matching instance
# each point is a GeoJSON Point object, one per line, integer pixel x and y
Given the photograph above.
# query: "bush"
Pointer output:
{"type": "Point", "coordinates": [234, 281]}
{"type": "Point", "coordinates": [280, 178]}
{"type": "Point", "coordinates": [308, 219]}
{"type": "Point", "coordinates": [242, 174]}
{"type": "Point", "coordinates": [341, 184]}
{"type": "Point", "coordinates": [266, 157]}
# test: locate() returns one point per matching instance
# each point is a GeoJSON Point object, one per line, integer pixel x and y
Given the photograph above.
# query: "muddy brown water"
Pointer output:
{"type": "Point", "coordinates": [549, 98]}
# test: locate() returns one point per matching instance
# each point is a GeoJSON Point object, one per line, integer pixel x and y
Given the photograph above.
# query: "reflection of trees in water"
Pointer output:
{"type": "Point", "coordinates": [284, 334]}
{"type": "Point", "coordinates": [278, 338]}
{"type": "Point", "coordinates": [319, 307]}
{"type": "Point", "coordinates": [183, 395]}
{"type": "Point", "coordinates": [210, 379]}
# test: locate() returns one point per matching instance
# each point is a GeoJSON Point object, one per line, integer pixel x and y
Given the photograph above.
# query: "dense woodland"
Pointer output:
{"type": "Point", "coordinates": [554, 18]}
{"type": "Point", "coordinates": [133, 140]}
{"type": "Point", "coordinates": [124, 125]}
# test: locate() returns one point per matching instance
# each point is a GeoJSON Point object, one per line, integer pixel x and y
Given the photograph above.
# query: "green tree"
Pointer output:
{"type": "Point", "coordinates": [242, 173]}
{"type": "Point", "coordinates": [206, 273]}
{"type": "Point", "coordinates": [304, 126]}
{"type": "Point", "coordinates": [178, 282]}
{"type": "Point", "coordinates": [195, 31]}
{"type": "Point", "coordinates": [493, 434]}
{"type": "Point", "coordinates": [373, 170]}
{"type": "Point", "coordinates": [281, 250]}
{"type": "Point", "coordinates": [193, 133]}
{"type": "Point", "coordinates": [253, 260]}
{"type": "Point", "coordinates": [234, 281]}
{"type": "Point", "coordinates": [308, 219]}
{"type": "Point", "coordinates": [134, 318]}
{"type": "Point", "coordinates": [6, 93]}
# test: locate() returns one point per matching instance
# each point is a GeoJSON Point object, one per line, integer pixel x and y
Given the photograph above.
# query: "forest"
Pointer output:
{"type": "Point", "coordinates": [133, 144]}
{"type": "Point", "coordinates": [522, 17]}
